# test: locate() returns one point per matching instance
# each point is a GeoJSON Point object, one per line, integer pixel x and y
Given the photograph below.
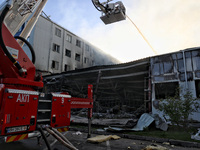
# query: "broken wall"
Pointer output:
{"type": "Point", "coordinates": [170, 71]}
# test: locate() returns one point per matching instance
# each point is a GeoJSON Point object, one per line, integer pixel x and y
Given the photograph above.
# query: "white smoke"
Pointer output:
{"type": "Point", "coordinates": [168, 25]}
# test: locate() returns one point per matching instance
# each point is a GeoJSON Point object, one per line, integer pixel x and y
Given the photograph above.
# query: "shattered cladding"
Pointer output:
{"type": "Point", "coordinates": [135, 84]}
{"type": "Point", "coordinates": [121, 84]}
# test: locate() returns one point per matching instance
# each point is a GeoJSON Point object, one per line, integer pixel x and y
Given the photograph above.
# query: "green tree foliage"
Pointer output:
{"type": "Point", "coordinates": [178, 108]}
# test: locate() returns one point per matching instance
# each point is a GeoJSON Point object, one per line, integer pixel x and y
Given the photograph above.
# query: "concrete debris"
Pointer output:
{"type": "Point", "coordinates": [144, 121]}
{"type": "Point", "coordinates": [155, 147]}
{"type": "Point", "coordinates": [116, 112]}
{"type": "Point", "coordinates": [104, 122]}
{"type": "Point", "coordinates": [102, 138]}
{"type": "Point", "coordinates": [115, 109]}
{"type": "Point", "coordinates": [196, 136]}
{"type": "Point", "coordinates": [100, 130]}
{"type": "Point", "coordinates": [160, 122]}
{"type": "Point", "coordinates": [114, 129]}
{"type": "Point", "coordinates": [77, 133]}
{"type": "Point", "coordinates": [166, 143]}
{"type": "Point", "coordinates": [131, 123]}
{"type": "Point", "coordinates": [172, 146]}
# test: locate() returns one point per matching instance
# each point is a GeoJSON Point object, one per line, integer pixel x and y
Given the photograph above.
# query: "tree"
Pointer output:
{"type": "Point", "coordinates": [178, 108]}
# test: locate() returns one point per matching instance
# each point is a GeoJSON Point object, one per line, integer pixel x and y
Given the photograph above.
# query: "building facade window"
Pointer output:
{"type": "Point", "coordinates": [197, 86]}
{"type": "Point", "coordinates": [56, 48]}
{"type": "Point", "coordinates": [86, 60]}
{"type": "Point", "coordinates": [162, 65]}
{"type": "Point", "coordinates": [55, 65]}
{"type": "Point", "coordinates": [67, 67]}
{"type": "Point", "coordinates": [69, 38]}
{"type": "Point", "coordinates": [77, 57]}
{"type": "Point", "coordinates": [67, 53]}
{"type": "Point", "coordinates": [87, 47]}
{"type": "Point", "coordinates": [91, 52]}
{"type": "Point", "coordinates": [165, 90]}
{"type": "Point", "coordinates": [58, 32]}
{"type": "Point", "coordinates": [78, 43]}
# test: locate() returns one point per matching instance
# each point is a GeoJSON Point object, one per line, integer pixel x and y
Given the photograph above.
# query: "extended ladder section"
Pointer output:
{"type": "Point", "coordinates": [20, 13]}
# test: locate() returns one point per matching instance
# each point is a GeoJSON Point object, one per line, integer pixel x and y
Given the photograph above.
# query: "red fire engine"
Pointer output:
{"type": "Point", "coordinates": [23, 109]}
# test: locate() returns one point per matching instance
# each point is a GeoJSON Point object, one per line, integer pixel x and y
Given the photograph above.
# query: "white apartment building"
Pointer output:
{"type": "Point", "coordinates": [59, 50]}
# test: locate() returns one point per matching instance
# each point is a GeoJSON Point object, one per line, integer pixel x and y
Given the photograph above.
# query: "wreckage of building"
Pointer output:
{"type": "Point", "coordinates": [137, 84]}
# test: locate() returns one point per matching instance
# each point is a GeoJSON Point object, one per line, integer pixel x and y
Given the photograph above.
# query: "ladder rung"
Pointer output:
{"type": "Point", "coordinates": [44, 110]}
{"type": "Point", "coordinates": [45, 101]}
{"type": "Point", "coordinates": [43, 120]}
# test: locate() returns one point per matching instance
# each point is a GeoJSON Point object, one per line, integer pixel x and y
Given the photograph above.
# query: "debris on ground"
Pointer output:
{"type": "Point", "coordinates": [166, 143]}
{"type": "Point", "coordinates": [77, 133]}
{"type": "Point", "coordinates": [100, 130]}
{"type": "Point", "coordinates": [144, 121]}
{"type": "Point", "coordinates": [155, 147]}
{"type": "Point", "coordinates": [102, 138]}
{"type": "Point", "coordinates": [196, 136]}
{"type": "Point", "coordinates": [105, 122]}
{"type": "Point", "coordinates": [161, 123]}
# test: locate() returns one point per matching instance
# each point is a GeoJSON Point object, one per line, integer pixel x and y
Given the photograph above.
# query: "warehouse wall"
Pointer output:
{"type": "Point", "coordinates": [175, 70]}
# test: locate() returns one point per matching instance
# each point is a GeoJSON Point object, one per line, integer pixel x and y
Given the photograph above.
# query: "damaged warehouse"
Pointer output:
{"type": "Point", "coordinates": [136, 86]}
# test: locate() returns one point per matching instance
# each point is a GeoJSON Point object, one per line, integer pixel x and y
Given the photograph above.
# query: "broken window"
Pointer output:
{"type": "Point", "coordinates": [168, 67]}
{"type": "Point", "coordinates": [167, 63]}
{"type": "Point", "coordinates": [164, 90]}
{"type": "Point", "coordinates": [56, 48]}
{"type": "Point", "coordinates": [180, 65]}
{"type": "Point", "coordinates": [77, 57]}
{"type": "Point", "coordinates": [196, 59]}
{"type": "Point", "coordinates": [156, 69]}
{"type": "Point", "coordinates": [180, 62]}
{"type": "Point", "coordinates": [55, 65]}
{"type": "Point", "coordinates": [78, 43]}
{"type": "Point", "coordinates": [197, 86]}
{"type": "Point", "coordinates": [162, 65]}
{"type": "Point", "coordinates": [67, 53]}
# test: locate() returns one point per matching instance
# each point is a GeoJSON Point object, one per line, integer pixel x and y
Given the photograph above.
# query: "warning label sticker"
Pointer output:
{"type": "Point", "coordinates": [13, 52]}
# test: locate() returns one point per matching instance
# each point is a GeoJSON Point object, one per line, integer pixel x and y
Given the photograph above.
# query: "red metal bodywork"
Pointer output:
{"type": "Point", "coordinates": [9, 73]}
{"type": "Point", "coordinates": [18, 108]}
{"type": "Point", "coordinates": [61, 108]}
{"type": "Point", "coordinates": [62, 105]}
{"type": "Point", "coordinates": [19, 100]}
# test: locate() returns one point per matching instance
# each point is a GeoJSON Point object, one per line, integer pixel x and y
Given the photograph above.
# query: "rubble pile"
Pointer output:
{"type": "Point", "coordinates": [115, 112]}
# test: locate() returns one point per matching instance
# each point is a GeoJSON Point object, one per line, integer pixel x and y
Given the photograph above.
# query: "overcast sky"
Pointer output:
{"type": "Point", "coordinates": [169, 25]}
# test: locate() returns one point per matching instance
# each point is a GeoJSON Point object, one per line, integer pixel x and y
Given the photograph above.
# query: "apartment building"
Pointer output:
{"type": "Point", "coordinates": [59, 50]}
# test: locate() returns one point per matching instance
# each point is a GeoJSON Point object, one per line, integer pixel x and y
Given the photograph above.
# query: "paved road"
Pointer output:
{"type": "Point", "coordinates": [80, 142]}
